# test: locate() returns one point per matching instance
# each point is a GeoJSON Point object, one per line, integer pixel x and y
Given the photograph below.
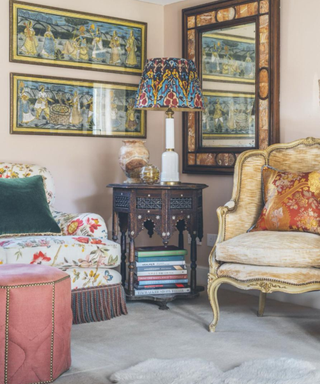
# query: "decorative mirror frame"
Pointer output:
{"type": "Point", "coordinates": [266, 15]}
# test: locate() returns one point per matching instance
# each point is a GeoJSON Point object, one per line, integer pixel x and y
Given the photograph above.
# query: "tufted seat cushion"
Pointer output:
{"type": "Point", "coordinates": [270, 248]}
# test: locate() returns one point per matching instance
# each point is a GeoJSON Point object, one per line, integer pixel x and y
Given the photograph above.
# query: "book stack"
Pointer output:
{"type": "Point", "coordinates": [160, 271]}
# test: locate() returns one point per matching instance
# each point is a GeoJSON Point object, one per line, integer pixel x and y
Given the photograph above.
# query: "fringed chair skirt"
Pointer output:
{"type": "Point", "coordinates": [98, 303]}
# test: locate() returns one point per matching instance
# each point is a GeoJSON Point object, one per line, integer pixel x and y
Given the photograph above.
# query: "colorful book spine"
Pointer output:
{"type": "Point", "coordinates": [178, 252]}
{"type": "Point", "coordinates": [162, 273]}
{"type": "Point", "coordinates": [157, 277]}
{"type": "Point", "coordinates": [173, 268]}
{"type": "Point", "coordinates": [157, 286]}
{"type": "Point", "coordinates": [160, 258]}
{"type": "Point", "coordinates": [163, 282]}
{"type": "Point", "coordinates": [159, 263]}
{"type": "Point", "coordinates": [160, 291]}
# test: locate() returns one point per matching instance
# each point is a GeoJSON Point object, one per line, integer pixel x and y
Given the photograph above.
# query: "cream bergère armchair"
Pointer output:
{"type": "Point", "coordinates": [266, 261]}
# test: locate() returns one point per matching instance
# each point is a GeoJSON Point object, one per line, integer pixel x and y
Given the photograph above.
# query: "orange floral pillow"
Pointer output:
{"type": "Point", "coordinates": [292, 202]}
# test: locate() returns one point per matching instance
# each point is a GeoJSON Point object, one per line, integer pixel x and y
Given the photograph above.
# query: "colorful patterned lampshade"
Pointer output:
{"type": "Point", "coordinates": [169, 83]}
{"type": "Point", "coordinates": [172, 85]}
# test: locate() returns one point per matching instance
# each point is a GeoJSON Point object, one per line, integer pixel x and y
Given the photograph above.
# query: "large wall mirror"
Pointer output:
{"type": "Point", "coordinates": [235, 45]}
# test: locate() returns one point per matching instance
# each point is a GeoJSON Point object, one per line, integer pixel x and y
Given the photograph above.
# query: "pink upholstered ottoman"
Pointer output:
{"type": "Point", "coordinates": [35, 323]}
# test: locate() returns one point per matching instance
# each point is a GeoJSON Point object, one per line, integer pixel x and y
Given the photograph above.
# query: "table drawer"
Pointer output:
{"type": "Point", "coordinates": [121, 200]}
{"type": "Point", "coordinates": [181, 200]}
{"type": "Point", "coordinates": [149, 200]}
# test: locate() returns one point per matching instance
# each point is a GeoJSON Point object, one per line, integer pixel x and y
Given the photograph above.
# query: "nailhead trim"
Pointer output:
{"type": "Point", "coordinates": [33, 284]}
{"type": "Point", "coordinates": [6, 337]}
{"type": "Point", "coordinates": [6, 355]}
{"type": "Point", "coordinates": [52, 331]}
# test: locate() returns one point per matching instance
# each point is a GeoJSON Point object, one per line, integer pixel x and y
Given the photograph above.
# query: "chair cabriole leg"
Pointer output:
{"type": "Point", "coordinates": [213, 297]}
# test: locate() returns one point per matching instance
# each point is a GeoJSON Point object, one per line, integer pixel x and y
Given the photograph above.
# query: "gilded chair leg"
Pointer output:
{"type": "Point", "coordinates": [262, 303]}
{"type": "Point", "coordinates": [213, 297]}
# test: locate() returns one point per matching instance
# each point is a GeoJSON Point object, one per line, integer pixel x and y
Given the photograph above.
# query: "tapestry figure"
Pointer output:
{"type": "Point", "coordinates": [98, 53]}
{"type": "Point", "coordinates": [115, 122]}
{"type": "Point", "coordinates": [41, 104]}
{"type": "Point", "coordinates": [48, 49]}
{"type": "Point", "coordinates": [31, 43]}
{"type": "Point", "coordinates": [25, 115]}
{"type": "Point", "coordinates": [115, 49]}
{"type": "Point", "coordinates": [131, 49]}
{"type": "Point", "coordinates": [131, 123]}
{"type": "Point", "coordinates": [75, 116]}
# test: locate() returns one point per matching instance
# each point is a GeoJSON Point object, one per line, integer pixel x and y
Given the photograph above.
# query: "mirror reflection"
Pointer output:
{"type": "Point", "coordinates": [228, 73]}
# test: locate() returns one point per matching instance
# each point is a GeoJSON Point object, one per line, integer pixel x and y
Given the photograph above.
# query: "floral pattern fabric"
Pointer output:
{"type": "Point", "coordinates": [86, 259]}
{"type": "Point", "coordinates": [63, 252]}
{"type": "Point", "coordinates": [83, 250]}
{"type": "Point", "coordinates": [292, 201]}
{"type": "Point", "coordinates": [92, 277]}
{"type": "Point", "coordinates": [85, 224]}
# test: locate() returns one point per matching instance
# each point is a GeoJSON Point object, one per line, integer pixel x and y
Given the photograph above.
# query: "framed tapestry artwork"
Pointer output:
{"type": "Point", "coordinates": [59, 37]}
{"type": "Point", "coordinates": [235, 45]}
{"type": "Point", "coordinates": [61, 106]}
{"type": "Point", "coordinates": [237, 129]}
{"type": "Point", "coordinates": [222, 55]}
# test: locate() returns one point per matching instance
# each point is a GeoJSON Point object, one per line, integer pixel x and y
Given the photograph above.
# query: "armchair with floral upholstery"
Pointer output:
{"type": "Point", "coordinates": [266, 261]}
{"type": "Point", "coordinates": [82, 250]}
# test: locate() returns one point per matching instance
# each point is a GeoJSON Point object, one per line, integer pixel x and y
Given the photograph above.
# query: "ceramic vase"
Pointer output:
{"type": "Point", "coordinates": [132, 157]}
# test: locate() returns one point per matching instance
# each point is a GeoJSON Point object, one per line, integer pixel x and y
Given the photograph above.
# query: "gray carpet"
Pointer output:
{"type": "Point", "coordinates": [99, 349]}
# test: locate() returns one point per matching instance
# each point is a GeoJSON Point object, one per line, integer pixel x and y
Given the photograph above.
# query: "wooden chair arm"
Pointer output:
{"type": "Point", "coordinates": [242, 211]}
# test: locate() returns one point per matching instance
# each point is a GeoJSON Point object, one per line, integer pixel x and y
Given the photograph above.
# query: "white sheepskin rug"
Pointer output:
{"type": "Point", "coordinates": [197, 371]}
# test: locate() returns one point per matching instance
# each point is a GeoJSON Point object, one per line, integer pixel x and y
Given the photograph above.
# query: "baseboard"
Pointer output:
{"type": "Point", "coordinates": [310, 299]}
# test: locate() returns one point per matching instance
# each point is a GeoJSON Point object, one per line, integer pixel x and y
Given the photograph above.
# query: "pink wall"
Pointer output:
{"type": "Point", "coordinates": [300, 69]}
{"type": "Point", "coordinates": [83, 166]}
{"type": "Point", "coordinates": [299, 111]}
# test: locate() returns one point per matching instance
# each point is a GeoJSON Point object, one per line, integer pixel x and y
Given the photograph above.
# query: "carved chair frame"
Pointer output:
{"type": "Point", "coordinates": [264, 285]}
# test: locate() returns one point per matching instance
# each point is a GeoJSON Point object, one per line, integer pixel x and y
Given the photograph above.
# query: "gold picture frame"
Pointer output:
{"type": "Point", "coordinates": [44, 105]}
{"type": "Point", "coordinates": [59, 37]}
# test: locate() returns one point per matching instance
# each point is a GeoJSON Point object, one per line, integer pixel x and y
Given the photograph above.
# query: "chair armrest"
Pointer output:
{"type": "Point", "coordinates": [243, 210]}
{"type": "Point", "coordinates": [246, 203]}
{"type": "Point", "coordinates": [222, 214]}
{"type": "Point", "coordinates": [84, 224]}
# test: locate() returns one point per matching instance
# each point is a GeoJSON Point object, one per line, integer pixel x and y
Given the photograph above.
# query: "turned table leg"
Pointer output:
{"type": "Point", "coordinates": [123, 224]}
{"type": "Point", "coordinates": [193, 258]}
{"type": "Point", "coordinates": [131, 267]}
{"type": "Point", "coordinates": [123, 257]}
{"type": "Point", "coordinates": [181, 226]}
{"type": "Point", "coordinates": [115, 227]}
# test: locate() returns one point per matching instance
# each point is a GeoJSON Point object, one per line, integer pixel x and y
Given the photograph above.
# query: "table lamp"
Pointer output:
{"type": "Point", "coordinates": [169, 84]}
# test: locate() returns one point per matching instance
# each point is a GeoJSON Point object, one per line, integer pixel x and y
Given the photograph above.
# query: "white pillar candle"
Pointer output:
{"type": "Point", "coordinates": [170, 133]}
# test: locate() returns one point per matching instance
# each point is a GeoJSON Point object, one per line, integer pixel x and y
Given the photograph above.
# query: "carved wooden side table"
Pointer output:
{"type": "Point", "coordinates": [162, 209]}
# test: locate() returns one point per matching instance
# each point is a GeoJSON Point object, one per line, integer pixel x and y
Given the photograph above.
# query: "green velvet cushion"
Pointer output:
{"type": "Point", "coordinates": [24, 208]}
